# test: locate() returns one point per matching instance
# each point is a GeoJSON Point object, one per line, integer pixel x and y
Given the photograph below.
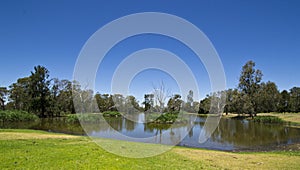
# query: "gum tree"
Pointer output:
{"type": "Point", "coordinates": [249, 85]}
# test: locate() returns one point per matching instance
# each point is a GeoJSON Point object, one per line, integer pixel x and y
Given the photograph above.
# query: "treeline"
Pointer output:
{"type": "Point", "coordinates": [39, 95]}
{"type": "Point", "coordinates": [47, 97]}
{"type": "Point", "coordinates": [254, 96]}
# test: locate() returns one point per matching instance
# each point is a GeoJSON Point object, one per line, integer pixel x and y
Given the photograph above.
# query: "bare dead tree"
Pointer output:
{"type": "Point", "coordinates": [161, 94]}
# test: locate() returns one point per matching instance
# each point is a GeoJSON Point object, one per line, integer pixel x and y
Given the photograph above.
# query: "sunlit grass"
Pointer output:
{"type": "Point", "coordinates": [29, 149]}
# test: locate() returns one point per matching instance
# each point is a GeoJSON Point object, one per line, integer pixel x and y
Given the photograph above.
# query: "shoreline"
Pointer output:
{"type": "Point", "coordinates": [260, 149]}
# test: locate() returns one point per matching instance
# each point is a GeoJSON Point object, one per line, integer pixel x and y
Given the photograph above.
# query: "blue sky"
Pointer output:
{"type": "Point", "coordinates": [52, 33]}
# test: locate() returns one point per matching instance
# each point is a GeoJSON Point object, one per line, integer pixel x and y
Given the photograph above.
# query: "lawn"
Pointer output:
{"type": "Point", "coordinates": [30, 149]}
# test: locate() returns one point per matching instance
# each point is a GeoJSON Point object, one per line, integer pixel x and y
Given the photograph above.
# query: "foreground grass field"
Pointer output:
{"type": "Point", "coordinates": [29, 149]}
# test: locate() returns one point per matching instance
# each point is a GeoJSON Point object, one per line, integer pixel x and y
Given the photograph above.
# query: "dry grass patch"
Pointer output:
{"type": "Point", "coordinates": [289, 117]}
{"type": "Point", "coordinates": [20, 135]}
{"type": "Point", "coordinates": [228, 160]}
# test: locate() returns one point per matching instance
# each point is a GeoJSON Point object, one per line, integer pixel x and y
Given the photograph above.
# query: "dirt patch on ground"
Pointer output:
{"type": "Point", "coordinates": [20, 135]}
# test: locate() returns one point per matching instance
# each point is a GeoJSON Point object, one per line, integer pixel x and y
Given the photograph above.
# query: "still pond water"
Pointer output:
{"type": "Point", "coordinates": [231, 134]}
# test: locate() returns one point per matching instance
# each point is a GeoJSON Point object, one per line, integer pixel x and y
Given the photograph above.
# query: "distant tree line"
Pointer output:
{"type": "Point", "coordinates": [38, 94]}
{"type": "Point", "coordinates": [47, 97]}
{"type": "Point", "coordinates": [253, 96]}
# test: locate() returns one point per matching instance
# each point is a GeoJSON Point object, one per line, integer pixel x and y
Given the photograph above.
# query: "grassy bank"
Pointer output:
{"type": "Point", "coordinates": [294, 118]}
{"type": "Point", "coordinates": [29, 149]}
{"type": "Point", "coordinates": [268, 119]}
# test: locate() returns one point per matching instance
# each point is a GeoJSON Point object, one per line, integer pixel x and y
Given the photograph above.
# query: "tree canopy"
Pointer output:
{"type": "Point", "coordinates": [47, 97]}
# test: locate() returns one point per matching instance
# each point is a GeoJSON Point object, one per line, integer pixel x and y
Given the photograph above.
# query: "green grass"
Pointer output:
{"type": "Point", "coordinates": [29, 149]}
{"type": "Point", "coordinates": [292, 118]}
{"type": "Point", "coordinates": [268, 119]}
{"type": "Point", "coordinates": [16, 116]}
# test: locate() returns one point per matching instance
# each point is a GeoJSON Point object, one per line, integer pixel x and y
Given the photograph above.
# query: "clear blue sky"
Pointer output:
{"type": "Point", "coordinates": [52, 33]}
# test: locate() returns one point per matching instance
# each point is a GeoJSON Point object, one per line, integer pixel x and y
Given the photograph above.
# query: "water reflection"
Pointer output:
{"type": "Point", "coordinates": [231, 134]}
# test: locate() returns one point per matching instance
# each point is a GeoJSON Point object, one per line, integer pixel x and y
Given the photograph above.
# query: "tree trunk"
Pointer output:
{"type": "Point", "coordinates": [2, 104]}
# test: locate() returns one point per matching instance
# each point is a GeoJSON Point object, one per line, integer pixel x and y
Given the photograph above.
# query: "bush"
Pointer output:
{"type": "Point", "coordinates": [72, 118]}
{"type": "Point", "coordinates": [85, 118]}
{"type": "Point", "coordinates": [90, 117]}
{"type": "Point", "coordinates": [111, 114]}
{"type": "Point", "coordinates": [17, 116]}
{"type": "Point", "coordinates": [267, 119]}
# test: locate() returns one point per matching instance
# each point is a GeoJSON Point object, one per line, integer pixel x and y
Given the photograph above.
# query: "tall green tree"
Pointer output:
{"type": "Point", "coordinates": [61, 97]}
{"type": "Point", "coordinates": [188, 106]}
{"type": "Point", "coordinates": [295, 99]}
{"type": "Point", "coordinates": [39, 90]}
{"type": "Point", "coordinates": [19, 94]}
{"type": "Point", "coordinates": [249, 84]}
{"type": "Point", "coordinates": [268, 97]}
{"type": "Point", "coordinates": [148, 102]}
{"type": "Point", "coordinates": [284, 102]}
{"type": "Point", "coordinates": [174, 103]}
{"type": "Point", "coordinates": [230, 105]}
{"type": "Point", "coordinates": [131, 104]}
{"type": "Point", "coordinates": [119, 102]}
{"type": "Point", "coordinates": [204, 105]}
{"type": "Point", "coordinates": [105, 102]}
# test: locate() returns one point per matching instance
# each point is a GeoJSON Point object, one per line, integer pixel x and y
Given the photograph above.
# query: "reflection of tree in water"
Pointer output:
{"type": "Point", "coordinates": [172, 132]}
{"type": "Point", "coordinates": [190, 126]}
{"type": "Point", "coordinates": [157, 129]}
{"type": "Point", "coordinates": [175, 139]}
{"type": "Point", "coordinates": [129, 125]}
{"type": "Point", "coordinates": [245, 133]}
{"type": "Point", "coordinates": [57, 125]}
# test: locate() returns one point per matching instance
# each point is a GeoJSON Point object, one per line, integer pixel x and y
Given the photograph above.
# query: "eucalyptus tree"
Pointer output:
{"type": "Point", "coordinates": [267, 98]}
{"type": "Point", "coordinates": [3, 94]}
{"type": "Point", "coordinates": [131, 104]}
{"type": "Point", "coordinates": [284, 102]}
{"type": "Point", "coordinates": [249, 84]}
{"type": "Point", "coordinates": [39, 91]}
{"type": "Point", "coordinates": [230, 105]}
{"type": "Point", "coordinates": [188, 105]}
{"type": "Point", "coordinates": [204, 105]}
{"type": "Point", "coordinates": [105, 102]}
{"type": "Point", "coordinates": [19, 97]}
{"type": "Point", "coordinates": [295, 99]}
{"type": "Point", "coordinates": [174, 103]}
{"type": "Point", "coordinates": [148, 102]}
{"type": "Point", "coordinates": [61, 97]}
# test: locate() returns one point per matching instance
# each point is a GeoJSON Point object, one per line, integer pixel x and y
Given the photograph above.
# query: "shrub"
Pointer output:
{"type": "Point", "coordinates": [111, 114]}
{"type": "Point", "coordinates": [17, 116]}
{"type": "Point", "coordinates": [85, 118]}
{"type": "Point", "coordinates": [72, 118]}
{"type": "Point", "coordinates": [267, 119]}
